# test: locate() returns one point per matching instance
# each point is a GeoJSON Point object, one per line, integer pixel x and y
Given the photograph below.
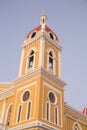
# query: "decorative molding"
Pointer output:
{"type": "Point", "coordinates": [10, 92]}
{"type": "Point", "coordinates": [34, 124]}
{"type": "Point", "coordinates": [41, 54]}
{"type": "Point", "coordinates": [78, 126]}
{"type": "Point", "coordinates": [60, 93]}
{"type": "Point", "coordinates": [3, 110]}
{"type": "Point", "coordinates": [76, 120]}
{"type": "Point", "coordinates": [21, 62]}
{"type": "Point", "coordinates": [76, 112]}
{"type": "Point", "coordinates": [59, 64]}
{"type": "Point", "coordinates": [5, 121]}
{"type": "Point", "coordinates": [46, 36]}
{"type": "Point", "coordinates": [23, 88]}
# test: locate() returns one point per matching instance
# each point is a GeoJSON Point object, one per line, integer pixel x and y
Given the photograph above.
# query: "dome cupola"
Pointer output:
{"type": "Point", "coordinates": [42, 28]}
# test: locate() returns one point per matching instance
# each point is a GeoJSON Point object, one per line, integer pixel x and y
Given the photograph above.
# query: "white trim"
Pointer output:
{"type": "Point", "coordinates": [74, 111]}
{"type": "Point", "coordinates": [21, 62]}
{"type": "Point", "coordinates": [33, 125]}
{"type": "Point", "coordinates": [55, 98]}
{"type": "Point", "coordinates": [24, 87]}
{"type": "Point", "coordinates": [59, 63]}
{"type": "Point", "coordinates": [10, 92]}
{"type": "Point", "coordinates": [41, 54]}
{"type": "Point", "coordinates": [43, 34]}
{"type": "Point", "coordinates": [75, 119]}
{"type": "Point", "coordinates": [7, 113]}
{"type": "Point", "coordinates": [3, 110]}
{"type": "Point", "coordinates": [61, 103]}
{"type": "Point", "coordinates": [79, 126]}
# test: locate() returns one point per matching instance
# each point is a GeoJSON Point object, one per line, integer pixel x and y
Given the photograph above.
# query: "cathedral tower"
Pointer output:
{"type": "Point", "coordinates": [41, 60]}
{"type": "Point", "coordinates": [35, 100]}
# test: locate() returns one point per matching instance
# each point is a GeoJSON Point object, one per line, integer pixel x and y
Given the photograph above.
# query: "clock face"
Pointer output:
{"type": "Point", "coordinates": [26, 96]}
{"type": "Point", "coordinates": [52, 97]}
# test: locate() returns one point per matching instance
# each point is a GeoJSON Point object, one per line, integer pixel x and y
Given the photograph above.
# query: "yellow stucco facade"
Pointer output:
{"type": "Point", "coordinates": [35, 100]}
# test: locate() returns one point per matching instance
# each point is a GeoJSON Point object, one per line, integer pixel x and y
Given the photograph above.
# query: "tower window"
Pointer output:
{"type": "Point", "coordinates": [26, 96]}
{"type": "Point", "coordinates": [47, 111]}
{"type": "Point", "coordinates": [51, 35]}
{"type": "Point", "coordinates": [9, 115]}
{"type": "Point", "coordinates": [29, 109]}
{"type": "Point", "coordinates": [56, 115]}
{"type": "Point", "coordinates": [19, 113]}
{"type": "Point", "coordinates": [33, 34]}
{"type": "Point", "coordinates": [31, 59]}
{"type": "Point", "coordinates": [52, 97]}
{"type": "Point", "coordinates": [50, 60]}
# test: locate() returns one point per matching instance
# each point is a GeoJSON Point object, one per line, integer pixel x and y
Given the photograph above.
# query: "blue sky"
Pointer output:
{"type": "Point", "coordinates": [68, 19]}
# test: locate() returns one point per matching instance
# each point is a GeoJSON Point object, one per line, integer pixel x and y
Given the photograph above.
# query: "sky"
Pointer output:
{"type": "Point", "coordinates": [68, 19]}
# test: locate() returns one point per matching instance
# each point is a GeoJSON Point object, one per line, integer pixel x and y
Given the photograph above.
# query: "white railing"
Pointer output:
{"type": "Point", "coordinates": [3, 127]}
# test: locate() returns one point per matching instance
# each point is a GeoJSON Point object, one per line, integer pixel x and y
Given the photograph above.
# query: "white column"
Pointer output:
{"type": "Point", "coordinates": [59, 63]}
{"type": "Point", "coordinates": [3, 111]}
{"type": "Point", "coordinates": [21, 62]}
{"type": "Point", "coordinates": [41, 54]}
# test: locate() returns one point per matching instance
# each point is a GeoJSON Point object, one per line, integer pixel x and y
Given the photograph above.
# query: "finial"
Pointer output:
{"type": "Point", "coordinates": [43, 12]}
{"type": "Point", "coordinates": [43, 19]}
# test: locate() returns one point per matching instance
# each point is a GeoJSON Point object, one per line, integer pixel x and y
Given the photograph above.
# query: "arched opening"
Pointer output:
{"type": "Point", "coordinates": [50, 60]}
{"type": "Point", "coordinates": [9, 115]}
{"type": "Point", "coordinates": [56, 115]}
{"type": "Point", "coordinates": [28, 110]}
{"type": "Point", "coordinates": [19, 113]}
{"type": "Point", "coordinates": [77, 126]}
{"type": "Point", "coordinates": [31, 59]}
{"type": "Point", "coordinates": [47, 111]}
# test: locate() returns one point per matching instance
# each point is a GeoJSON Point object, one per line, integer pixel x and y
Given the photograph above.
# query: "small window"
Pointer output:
{"type": "Point", "coordinates": [33, 34]}
{"type": "Point", "coordinates": [28, 111]}
{"type": "Point", "coordinates": [19, 113]}
{"type": "Point", "coordinates": [9, 115]}
{"type": "Point", "coordinates": [51, 35]}
{"type": "Point", "coordinates": [56, 115]}
{"type": "Point", "coordinates": [52, 97]}
{"type": "Point", "coordinates": [26, 96]}
{"type": "Point", "coordinates": [47, 111]}
{"type": "Point", "coordinates": [31, 59]}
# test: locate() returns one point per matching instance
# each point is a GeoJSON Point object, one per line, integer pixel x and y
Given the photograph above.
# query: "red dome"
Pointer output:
{"type": "Point", "coordinates": [85, 110]}
{"type": "Point", "coordinates": [47, 29]}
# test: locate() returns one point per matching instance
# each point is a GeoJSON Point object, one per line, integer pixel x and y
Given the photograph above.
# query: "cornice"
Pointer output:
{"type": "Point", "coordinates": [7, 93]}
{"type": "Point", "coordinates": [10, 91]}
{"type": "Point", "coordinates": [40, 70]}
{"type": "Point", "coordinates": [33, 125]}
{"type": "Point", "coordinates": [43, 34]}
{"type": "Point", "coordinates": [52, 76]}
{"type": "Point", "coordinates": [6, 83]}
{"type": "Point", "coordinates": [76, 112]}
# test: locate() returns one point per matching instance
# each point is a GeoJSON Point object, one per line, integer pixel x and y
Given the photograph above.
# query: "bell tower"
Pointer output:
{"type": "Point", "coordinates": [41, 48]}
{"type": "Point", "coordinates": [40, 70]}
